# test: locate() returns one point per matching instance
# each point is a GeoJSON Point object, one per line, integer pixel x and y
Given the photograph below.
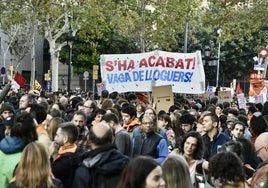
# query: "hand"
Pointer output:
{"type": "Point", "coordinates": [53, 149]}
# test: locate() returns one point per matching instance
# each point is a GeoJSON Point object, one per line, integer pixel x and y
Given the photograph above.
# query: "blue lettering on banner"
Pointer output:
{"type": "Point", "coordinates": [148, 75]}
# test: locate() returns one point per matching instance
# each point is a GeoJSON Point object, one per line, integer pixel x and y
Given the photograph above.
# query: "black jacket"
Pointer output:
{"type": "Point", "coordinates": [101, 168]}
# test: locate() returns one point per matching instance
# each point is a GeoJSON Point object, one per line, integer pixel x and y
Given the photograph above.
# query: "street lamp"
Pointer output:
{"type": "Point", "coordinates": [70, 42]}
{"type": "Point", "coordinates": [210, 60]}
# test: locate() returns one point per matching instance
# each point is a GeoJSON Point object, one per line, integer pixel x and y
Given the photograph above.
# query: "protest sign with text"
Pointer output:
{"type": "Point", "coordinates": [142, 71]}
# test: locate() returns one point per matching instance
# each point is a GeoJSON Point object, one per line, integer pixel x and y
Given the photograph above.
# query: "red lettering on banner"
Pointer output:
{"type": "Point", "coordinates": [179, 64]}
{"type": "Point", "coordinates": [109, 65]}
{"type": "Point", "coordinates": [170, 62]}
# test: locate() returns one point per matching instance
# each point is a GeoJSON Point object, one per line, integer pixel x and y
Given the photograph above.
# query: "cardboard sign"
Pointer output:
{"type": "Point", "coordinates": [163, 97]}
{"type": "Point", "coordinates": [225, 96]}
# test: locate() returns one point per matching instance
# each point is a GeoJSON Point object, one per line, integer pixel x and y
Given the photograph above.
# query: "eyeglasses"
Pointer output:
{"type": "Point", "coordinates": [258, 151]}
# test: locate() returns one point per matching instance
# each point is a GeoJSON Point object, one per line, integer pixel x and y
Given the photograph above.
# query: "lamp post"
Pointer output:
{"type": "Point", "coordinates": [210, 60]}
{"type": "Point", "coordinates": [70, 42]}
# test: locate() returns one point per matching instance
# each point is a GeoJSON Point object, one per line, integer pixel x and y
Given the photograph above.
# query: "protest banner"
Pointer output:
{"type": "Point", "coordinates": [140, 72]}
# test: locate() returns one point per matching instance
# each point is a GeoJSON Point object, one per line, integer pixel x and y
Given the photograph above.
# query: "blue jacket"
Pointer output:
{"type": "Point", "coordinates": [212, 147]}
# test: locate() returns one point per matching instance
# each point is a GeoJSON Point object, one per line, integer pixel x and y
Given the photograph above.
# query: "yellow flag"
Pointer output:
{"type": "Point", "coordinates": [37, 85]}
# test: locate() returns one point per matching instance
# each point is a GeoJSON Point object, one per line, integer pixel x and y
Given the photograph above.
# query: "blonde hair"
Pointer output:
{"type": "Point", "coordinates": [53, 126]}
{"type": "Point", "coordinates": [176, 172]}
{"type": "Point", "coordinates": [34, 167]}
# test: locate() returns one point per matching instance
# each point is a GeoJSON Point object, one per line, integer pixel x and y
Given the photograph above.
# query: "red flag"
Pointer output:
{"type": "Point", "coordinates": [20, 79]}
{"type": "Point", "coordinates": [238, 89]}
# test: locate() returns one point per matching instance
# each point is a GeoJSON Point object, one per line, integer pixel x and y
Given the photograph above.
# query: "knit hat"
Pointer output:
{"type": "Point", "coordinates": [7, 107]}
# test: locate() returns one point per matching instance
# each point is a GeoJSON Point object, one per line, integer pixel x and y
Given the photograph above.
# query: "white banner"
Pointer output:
{"type": "Point", "coordinates": [140, 72]}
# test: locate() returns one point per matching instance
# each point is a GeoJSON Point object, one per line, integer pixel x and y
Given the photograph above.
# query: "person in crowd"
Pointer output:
{"type": "Point", "coordinates": [140, 107]}
{"type": "Point", "coordinates": [150, 143]}
{"type": "Point", "coordinates": [101, 167]}
{"type": "Point", "coordinates": [187, 122]}
{"type": "Point", "coordinates": [219, 109]}
{"type": "Point", "coordinates": [244, 119]}
{"type": "Point", "coordinates": [164, 122]}
{"type": "Point", "coordinates": [232, 112]}
{"type": "Point", "coordinates": [230, 126]}
{"type": "Point", "coordinates": [248, 150]}
{"type": "Point", "coordinates": [65, 153]}
{"type": "Point", "coordinates": [213, 139]}
{"type": "Point", "coordinates": [122, 139]}
{"type": "Point", "coordinates": [58, 106]}
{"type": "Point", "coordinates": [237, 148]}
{"type": "Point", "coordinates": [226, 170]}
{"type": "Point", "coordinates": [261, 146]}
{"type": "Point", "coordinates": [176, 172]}
{"type": "Point", "coordinates": [238, 130]}
{"type": "Point", "coordinates": [53, 126]}
{"type": "Point", "coordinates": [6, 110]}
{"type": "Point", "coordinates": [97, 115]}
{"type": "Point", "coordinates": [258, 125]}
{"type": "Point", "coordinates": [107, 103]}
{"type": "Point", "coordinates": [79, 120]}
{"type": "Point", "coordinates": [142, 172]}
{"type": "Point", "coordinates": [25, 101]}
{"type": "Point", "coordinates": [22, 132]}
{"type": "Point", "coordinates": [34, 169]}
{"type": "Point", "coordinates": [40, 115]}
{"type": "Point", "coordinates": [130, 121]}
{"type": "Point", "coordinates": [199, 125]}
{"type": "Point", "coordinates": [191, 148]}
{"type": "Point", "coordinates": [7, 124]}
{"type": "Point", "coordinates": [90, 107]}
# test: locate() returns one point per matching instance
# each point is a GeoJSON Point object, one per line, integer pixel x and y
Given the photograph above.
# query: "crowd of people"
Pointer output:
{"type": "Point", "coordinates": [81, 140]}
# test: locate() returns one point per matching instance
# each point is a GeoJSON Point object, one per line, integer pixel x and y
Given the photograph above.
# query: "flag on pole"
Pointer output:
{"type": "Point", "coordinates": [20, 79]}
{"type": "Point", "coordinates": [37, 85]}
{"type": "Point", "coordinates": [238, 89]}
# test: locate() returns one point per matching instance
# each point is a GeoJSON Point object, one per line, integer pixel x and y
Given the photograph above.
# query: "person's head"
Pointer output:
{"type": "Point", "coordinates": [230, 123]}
{"type": "Point", "coordinates": [164, 121]}
{"type": "Point", "coordinates": [8, 123]}
{"type": "Point", "coordinates": [25, 100]}
{"type": "Point", "coordinates": [24, 128]}
{"type": "Point", "coordinates": [233, 146]}
{"type": "Point", "coordinates": [111, 119]}
{"type": "Point", "coordinates": [210, 122]}
{"type": "Point", "coordinates": [98, 114]}
{"type": "Point", "coordinates": [89, 107]}
{"type": "Point", "coordinates": [142, 172]}
{"type": "Point", "coordinates": [187, 122]}
{"type": "Point", "coordinates": [219, 109]}
{"type": "Point", "coordinates": [258, 124]}
{"type": "Point", "coordinates": [225, 168]}
{"type": "Point", "coordinates": [6, 110]}
{"type": "Point", "coordinates": [238, 130]}
{"type": "Point", "coordinates": [53, 126]}
{"type": "Point", "coordinates": [176, 172]}
{"type": "Point", "coordinates": [192, 145]}
{"type": "Point", "coordinates": [100, 134]}
{"type": "Point", "coordinates": [128, 112]}
{"type": "Point", "coordinates": [79, 119]}
{"type": "Point", "coordinates": [34, 167]}
{"type": "Point", "coordinates": [233, 112]}
{"type": "Point", "coordinates": [107, 103]}
{"type": "Point", "coordinates": [38, 111]}
{"type": "Point", "coordinates": [132, 98]}
{"type": "Point", "coordinates": [58, 106]}
{"type": "Point", "coordinates": [150, 112]}
{"type": "Point", "coordinates": [147, 125]}
{"type": "Point", "coordinates": [261, 146]}
{"type": "Point", "coordinates": [66, 134]}
{"type": "Point", "coordinates": [104, 94]}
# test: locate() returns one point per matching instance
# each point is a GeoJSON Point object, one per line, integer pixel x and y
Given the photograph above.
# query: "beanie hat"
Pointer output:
{"type": "Point", "coordinates": [7, 107]}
